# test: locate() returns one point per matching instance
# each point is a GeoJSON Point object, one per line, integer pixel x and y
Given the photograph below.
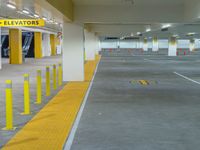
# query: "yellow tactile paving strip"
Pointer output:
{"type": "Point", "coordinates": [49, 129]}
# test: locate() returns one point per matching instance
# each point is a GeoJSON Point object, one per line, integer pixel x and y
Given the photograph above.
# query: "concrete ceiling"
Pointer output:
{"type": "Point", "coordinates": [128, 2]}
{"type": "Point", "coordinates": [40, 7]}
{"type": "Point", "coordinates": [126, 17]}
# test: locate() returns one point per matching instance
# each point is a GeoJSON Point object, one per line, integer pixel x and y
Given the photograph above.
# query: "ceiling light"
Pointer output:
{"type": "Point", "coordinates": [175, 35]}
{"type": "Point", "coordinates": [148, 30]}
{"type": "Point", "coordinates": [25, 11]}
{"type": "Point", "coordinates": [36, 16]}
{"type": "Point", "coordinates": [11, 6]}
{"type": "Point", "coordinates": [50, 21]}
{"type": "Point", "coordinates": [132, 34]}
{"type": "Point", "coordinates": [166, 26]}
{"type": "Point", "coordinates": [191, 34]}
{"type": "Point", "coordinates": [138, 33]}
{"type": "Point", "coordinates": [44, 18]}
{"type": "Point", "coordinates": [31, 16]}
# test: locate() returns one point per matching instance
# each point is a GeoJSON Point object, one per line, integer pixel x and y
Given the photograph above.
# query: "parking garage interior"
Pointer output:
{"type": "Point", "coordinates": [99, 75]}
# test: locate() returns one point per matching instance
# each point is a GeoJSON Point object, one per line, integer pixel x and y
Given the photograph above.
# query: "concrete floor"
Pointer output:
{"type": "Point", "coordinates": [15, 73]}
{"type": "Point", "coordinates": [164, 115]}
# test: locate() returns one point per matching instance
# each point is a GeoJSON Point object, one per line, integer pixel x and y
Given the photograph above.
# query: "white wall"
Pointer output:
{"type": "Point", "coordinates": [183, 43]}
{"type": "Point", "coordinates": [108, 44]}
{"type": "Point", "coordinates": [128, 44]}
{"type": "Point", "coordinates": [163, 44]}
{"type": "Point", "coordinates": [73, 52]}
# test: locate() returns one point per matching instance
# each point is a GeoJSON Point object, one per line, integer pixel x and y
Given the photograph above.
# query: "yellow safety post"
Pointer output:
{"type": "Point", "coordinates": [9, 106]}
{"type": "Point", "coordinates": [39, 87]}
{"type": "Point", "coordinates": [54, 77]}
{"type": "Point", "coordinates": [48, 84]}
{"type": "Point", "coordinates": [60, 74]}
{"type": "Point", "coordinates": [26, 95]}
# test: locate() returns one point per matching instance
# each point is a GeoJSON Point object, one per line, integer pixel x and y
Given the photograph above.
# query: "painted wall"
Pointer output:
{"type": "Point", "coordinates": [163, 44]}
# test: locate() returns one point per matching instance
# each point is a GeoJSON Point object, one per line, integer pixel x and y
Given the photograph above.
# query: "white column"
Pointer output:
{"type": "Point", "coordinates": [73, 52]}
{"type": "Point", "coordinates": [155, 46]}
{"type": "Point", "coordinates": [0, 49]}
{"type": "Point", "coordinates": [172, 51]}
{"type": "Point", "coordinates": [46, 46]}
{"type": "Point", "coordinates": [145, 44]}
{"type": "Point", "coordinates": [90, 47]}
{"type": "Point", "coordinates": [98, 45]}
{"type": "Point", "coordinates": [192, 45]}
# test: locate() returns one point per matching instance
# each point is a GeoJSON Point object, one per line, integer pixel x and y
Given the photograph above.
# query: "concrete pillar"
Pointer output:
{"type": "Point", "coordinates": [145, 44]}
{"type": "Point", "coordinates": [73, 52]}
{"type": "Point", "coordinates": [90, 41]}
{"type": "Point", "coordinates": [53, 44]}
{"type": "Point", "coordinates": [155, 46]}
{"type": "Point", "coordinates": [98, 46]}
{"type": "Point", "coordinates": [192, 45]}
{"type": "Point", "coordinates": [46, 46]}
{"type": "Point", "coordinates": [15, 45]}
{"type": "Point", "coordinates": [172, 51]}
{"type": "Point", "coordinates": [38, 45]}
{"type": "Point", "coordinates": [138, 45]}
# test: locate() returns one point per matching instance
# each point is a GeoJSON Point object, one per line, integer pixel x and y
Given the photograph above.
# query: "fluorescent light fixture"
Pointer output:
{"type": "Point", "coordinates": [25, 11]}
{"type": "Point", "coordinates": [44, 18]}
{"type": "Point", "coordinates": [11, 6]}
{"type": "Point", "coordinates": [50, 21]}
{"type": "Point", "coordinates": [31, 16]}
{"type": "Point", "coordinates": [122, 38]}
{"type": "Point", "coordinates": [138, 33]}
{"type": "Point", "coordinates": [175, 35]}
{"type": "Point", "coordinates": [132, 34]}
{"type": "Point", "coordinates": [36, 16]}
{"type": "Point", "coordinates": [148, 30]}
{"type": "Point", "coordinates": [191, 34]}
{"type": "Point", "coordinates": [19, 12]}
{"type": "Point", "coordinates": [166, 26]}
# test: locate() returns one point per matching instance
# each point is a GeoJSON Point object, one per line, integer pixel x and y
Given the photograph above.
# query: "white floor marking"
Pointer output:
{"type": "Point", "coordinates": [186, 78]}
{"type": "Point", "coordinates": [70, 139]}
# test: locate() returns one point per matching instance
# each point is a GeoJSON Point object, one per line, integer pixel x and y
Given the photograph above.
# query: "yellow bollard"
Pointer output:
{"type": "Point", "coordinates": [9, 106]}
{"type": "Point", "coordinates": [39, 87]}
{"type": "Point", "coordinates": [60, 74]}
{"type": "Point", "coordinates": [26, 95]}
{"type": "Point", "coordinates": [48, 84]}
{"type": "Point", "coordinates": [54, 77]}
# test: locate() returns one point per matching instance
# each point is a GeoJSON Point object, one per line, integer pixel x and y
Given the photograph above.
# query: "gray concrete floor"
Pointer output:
{"type": "Point", "coordinates": [122, 116]}
{"type": "Point", "coordinates": [15, 73]}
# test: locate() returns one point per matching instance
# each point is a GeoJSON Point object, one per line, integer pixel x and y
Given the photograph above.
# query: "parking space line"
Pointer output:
{"type": "Point", "coordinates": [187, 78]}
